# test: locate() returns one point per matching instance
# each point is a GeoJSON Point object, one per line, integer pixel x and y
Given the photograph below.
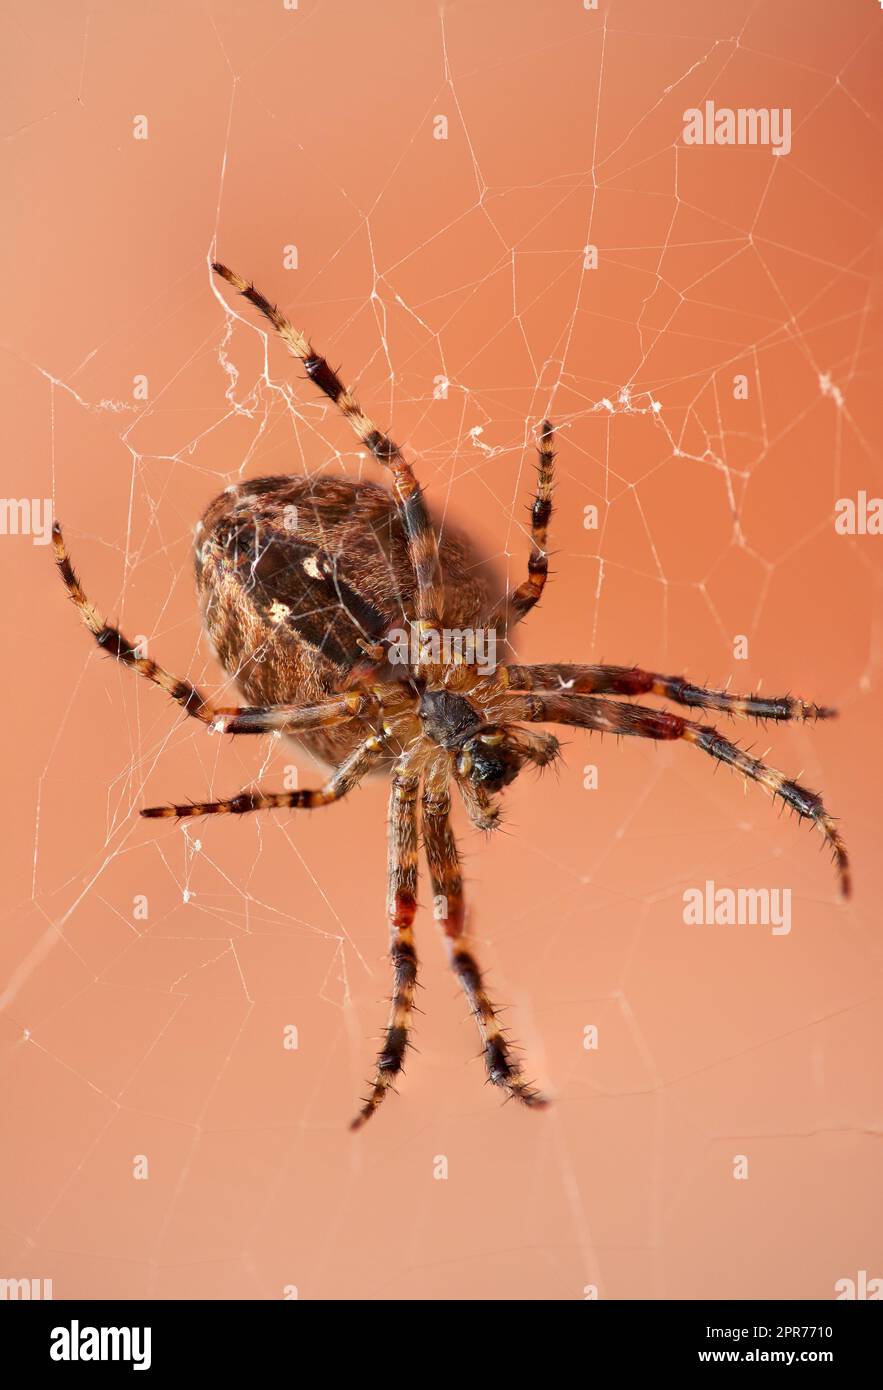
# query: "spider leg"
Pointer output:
{"type": "Point", "coordinates": [111, 640]}
{"type": "Point", "coordinates": [609, 716]}
{"type": "Point", "coordinates": [343, 779]}
{"type": "Point", "coordinates": [286, 719]}
{"type": "Point", "coordinates": [230, 720]}
{"type": "Point", "coordinates": [421, 538]}
{"type": "Point", "coordinates": [518, 602]}
{"type": "Point", "coordinates": [447, 889]}
{"type": "Point", "coordinates": [402, 907]}
{"type": "Point", "coordinates": [630, 680]}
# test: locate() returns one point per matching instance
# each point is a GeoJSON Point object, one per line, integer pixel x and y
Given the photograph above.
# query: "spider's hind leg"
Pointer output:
{"type": "Point", "coordinates": [519, 601]}
{"type": "Point", "coordinates": [230, 719]}
{"type": "Point", "coordinates": [342, 780]}
{"type": "Point", "coordinates": [421, 537]}
{"type": "Point", "coordinates": [112, 641]}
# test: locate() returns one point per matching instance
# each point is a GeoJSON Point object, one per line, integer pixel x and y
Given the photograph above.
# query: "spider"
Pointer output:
{"type": "Point", "coordinates": [301, 582]}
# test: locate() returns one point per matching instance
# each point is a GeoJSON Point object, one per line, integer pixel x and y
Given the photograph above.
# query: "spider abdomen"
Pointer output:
{"type": "Point", "coordinates": [296, 575]}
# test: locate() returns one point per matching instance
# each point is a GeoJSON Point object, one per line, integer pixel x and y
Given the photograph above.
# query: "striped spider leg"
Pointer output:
{"type": "Point", "coordinates": [421, 537]}
{"type": "Point", "coordinates": [363, 759]}
{"type": "Point", "coordinates": [518, 602]}
{"type": "Point", "coordinates": [401, 910]}
{"type": "Point", "coordinates": [447, 889]}
{"type": "Point", "coordinates": [361, 705]}
{"type": "Point", "coordinates": [611, 716]}
{"type": "Point", "coordinates": [220, 719]}
{"type": "Point", "coordinates": [630, 680]}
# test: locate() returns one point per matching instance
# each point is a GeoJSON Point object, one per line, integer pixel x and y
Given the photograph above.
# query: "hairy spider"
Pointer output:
{"type": "Point", "coordinates": [302, 583]}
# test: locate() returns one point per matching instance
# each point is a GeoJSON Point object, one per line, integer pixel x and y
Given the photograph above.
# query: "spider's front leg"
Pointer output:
{"type": "Point", "coordinates": [611, 717]}
{"type": "Point", "coordinates": [402, 908]}
{"type": "Point", "coordinates": [447, 888]}
{"type": "Point", "coordinates": [562, 678]}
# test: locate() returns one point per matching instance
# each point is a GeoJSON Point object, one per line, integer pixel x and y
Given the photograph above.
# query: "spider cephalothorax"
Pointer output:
{"type": "Point", "coordinates": [349, 624]}
{"type": "Point", "coordinates": [484, 754]}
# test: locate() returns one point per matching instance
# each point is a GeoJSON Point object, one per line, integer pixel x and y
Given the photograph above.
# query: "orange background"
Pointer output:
{"type": "Point", "coordinates": [461, 258]}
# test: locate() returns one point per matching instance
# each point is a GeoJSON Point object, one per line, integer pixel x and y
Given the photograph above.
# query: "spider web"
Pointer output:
{"type": "Point", "coordinates": [713, 383]}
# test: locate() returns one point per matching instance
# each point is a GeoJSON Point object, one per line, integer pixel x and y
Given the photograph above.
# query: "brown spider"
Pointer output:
{"type": "Point", "coordinates": [301, 584]}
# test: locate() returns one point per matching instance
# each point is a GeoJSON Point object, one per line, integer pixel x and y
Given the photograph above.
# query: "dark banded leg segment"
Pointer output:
{"type": "Point", "coordinates": [402, 908]}
{"type": "Point", "coordinates": [447, 890]}
{"type": "Point", "coordinates": [342, 780]}
{"type": "Point", "coordinates": [518, 602]}
{"type": "Point", "coordinates": [286, 719]}
{"type": "Point", "coordinates": [630, 680]}
{"type": "Point", "coordinates": [422, 543]}
{"type": "Point", "coordinates": [611, 717]}
{"type": "Point", "coordinates": [235, 720]}
{"type": "Point", "coordinates": [111, 640]}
